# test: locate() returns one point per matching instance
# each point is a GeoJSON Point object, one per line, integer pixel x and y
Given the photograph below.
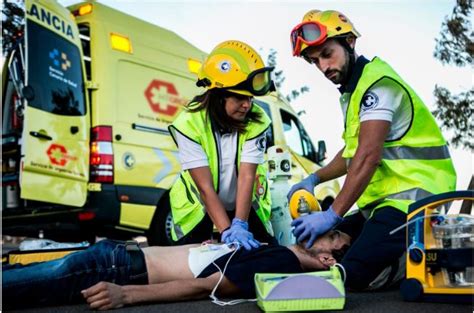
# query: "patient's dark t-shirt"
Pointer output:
{"type": "Point", "coordinates": [245, 264]}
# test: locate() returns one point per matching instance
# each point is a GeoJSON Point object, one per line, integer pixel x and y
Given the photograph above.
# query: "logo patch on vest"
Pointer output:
{"type": "Point", "coordinates": [261, 143]}
{"type": "Point", "coordinates": [369, 101]}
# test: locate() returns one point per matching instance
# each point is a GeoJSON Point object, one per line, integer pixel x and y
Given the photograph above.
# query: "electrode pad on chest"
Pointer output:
{"type": "Point", "coordinates": [200, 257]}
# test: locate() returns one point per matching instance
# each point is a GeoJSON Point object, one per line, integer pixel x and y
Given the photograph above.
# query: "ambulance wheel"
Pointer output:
{"type": "Point", "coordinates": [159, 233]}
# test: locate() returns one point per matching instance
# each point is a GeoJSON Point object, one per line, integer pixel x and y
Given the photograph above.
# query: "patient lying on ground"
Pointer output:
{"type": "Point", "coordinates": [111, 274]}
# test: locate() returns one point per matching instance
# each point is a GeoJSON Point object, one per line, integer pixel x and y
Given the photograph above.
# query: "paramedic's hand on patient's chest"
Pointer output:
{"type": "Point", "coordinates": [314, 225]}
{"type": "Point", "coordinates": [238, 231]}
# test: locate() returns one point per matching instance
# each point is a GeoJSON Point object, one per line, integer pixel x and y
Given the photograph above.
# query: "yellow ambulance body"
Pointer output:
{"type": "Point", "coordinates": [88, 94]}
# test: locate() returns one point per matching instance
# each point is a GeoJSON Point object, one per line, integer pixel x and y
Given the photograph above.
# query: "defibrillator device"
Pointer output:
{"type": "Point", "coordinates": [440, 251]}
{"type": "Point", "coordinates": [322, 290]}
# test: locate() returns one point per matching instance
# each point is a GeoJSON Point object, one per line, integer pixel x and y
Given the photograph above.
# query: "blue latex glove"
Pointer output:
{"type": "Point", "coordinates": [239, 231]}
{"type": "Point", "coordinates": [308, 184]}
{"type": "Point", "coordinates": [314, 224]}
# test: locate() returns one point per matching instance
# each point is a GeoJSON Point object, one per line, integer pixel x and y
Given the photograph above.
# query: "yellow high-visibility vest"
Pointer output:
{"type": "Point", "coordinates": [412, 167]}
{"type": "Point", "coordinates": [186, 205]}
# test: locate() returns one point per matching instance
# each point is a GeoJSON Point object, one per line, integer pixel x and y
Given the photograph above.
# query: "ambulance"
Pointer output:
{"type": "Point", "coordinates": [88, 94]}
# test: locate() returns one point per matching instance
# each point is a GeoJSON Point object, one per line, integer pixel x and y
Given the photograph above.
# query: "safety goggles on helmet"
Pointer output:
{"type": "Point", "coordinates": [310, 33]}
{"type": "Point", "coordinates": [258, 83]}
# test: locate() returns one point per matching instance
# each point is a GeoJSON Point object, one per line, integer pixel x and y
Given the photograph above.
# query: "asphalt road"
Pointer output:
{"type": "Point", "coordinates": [369, 302]}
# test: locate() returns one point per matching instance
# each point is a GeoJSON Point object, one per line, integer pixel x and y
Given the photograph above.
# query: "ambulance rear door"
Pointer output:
{"type": "Point", "coordinates": [54, 147]}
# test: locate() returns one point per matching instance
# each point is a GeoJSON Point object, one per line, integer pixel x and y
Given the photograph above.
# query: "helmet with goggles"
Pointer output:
{"type": "Point", "coordinates": [236, 67]}
{"type": "Point", "coordinates": [317, 27]}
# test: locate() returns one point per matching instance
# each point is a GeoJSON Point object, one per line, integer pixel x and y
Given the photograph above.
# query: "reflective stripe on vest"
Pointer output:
{"type": "Point", "coordinates": [416, 153]}
{"type": "Point", "coordinates": [414, 194]}
{"type": "Point", "coordinates": [177, 230]}
{"type": "Point", "coordinates": [413, 153]}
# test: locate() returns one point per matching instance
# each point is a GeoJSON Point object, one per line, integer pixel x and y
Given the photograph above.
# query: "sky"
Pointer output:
{"type": "Point", "coordinates": [401, 32]}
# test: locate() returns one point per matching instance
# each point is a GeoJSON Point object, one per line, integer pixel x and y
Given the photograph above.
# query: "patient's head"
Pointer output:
{"type": "Point", "coordinates": [327, 250]}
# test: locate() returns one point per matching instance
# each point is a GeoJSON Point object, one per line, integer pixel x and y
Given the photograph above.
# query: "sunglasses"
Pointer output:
{"type": "Point", "coordinates": [258, 82]}
{"type": "Point", "coordinates": [310, 33]}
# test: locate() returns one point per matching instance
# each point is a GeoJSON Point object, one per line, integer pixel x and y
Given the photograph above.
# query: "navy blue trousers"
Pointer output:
{"type": "Point", "coordinates": [60, 281]}
{"type": "Point", "coordinates": [372, 249]}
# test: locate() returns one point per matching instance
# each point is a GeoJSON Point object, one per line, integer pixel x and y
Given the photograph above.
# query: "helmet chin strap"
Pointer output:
{"type": "Point", "coordinates": [351, 52]}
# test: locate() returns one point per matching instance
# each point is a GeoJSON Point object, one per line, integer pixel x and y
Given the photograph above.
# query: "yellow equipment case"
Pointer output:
{"type": "Point", "coordinates": [440, 250]}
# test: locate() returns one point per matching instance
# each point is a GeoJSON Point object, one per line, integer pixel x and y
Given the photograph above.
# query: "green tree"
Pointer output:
{"type": "Point", "coordinates": [279, 78]}
{"type": "Point", "coordinates": [455, 47]}
{"type": "Point", "coordinates": [13, 22]}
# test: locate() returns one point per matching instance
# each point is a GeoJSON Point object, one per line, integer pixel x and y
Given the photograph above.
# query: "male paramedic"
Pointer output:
{"type": "Point", "coordinates": [394, 152]}
{"type": "Point", "coordinates": [111, 274]}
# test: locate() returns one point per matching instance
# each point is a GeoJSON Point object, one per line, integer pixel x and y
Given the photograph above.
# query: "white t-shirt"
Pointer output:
{"type": "Point", "coordinates": [388, 101]}
{"type": "Point", "coordinates": [192, 155]}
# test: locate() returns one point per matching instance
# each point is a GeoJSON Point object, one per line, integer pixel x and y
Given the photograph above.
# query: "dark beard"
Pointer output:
{"type": "Point", "coordinates": [345, 69]}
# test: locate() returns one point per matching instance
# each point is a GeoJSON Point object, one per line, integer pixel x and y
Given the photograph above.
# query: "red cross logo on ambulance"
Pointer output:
{"type": "Point", "coordinates": [58, 155]}
{"type": "Point", "coordinates": [163, 97]}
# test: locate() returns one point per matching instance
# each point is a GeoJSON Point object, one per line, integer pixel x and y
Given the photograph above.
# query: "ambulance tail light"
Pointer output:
{"type": "Point", "coordinates": [101, 155]}
{"type": "Point", "coordinates": [16, 119]}
{"type": "Point", "coordinates": [86, 216]}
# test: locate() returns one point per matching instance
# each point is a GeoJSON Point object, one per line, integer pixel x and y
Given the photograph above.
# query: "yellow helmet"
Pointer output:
{"type": "Point", "coordinates": [310, 15]}
{"type": "Point", "coordinates": [237, 67]}
{"type": "Point", "coordinates": [303, 202]}
{"type": "Point", "coordinates": [317, 26]}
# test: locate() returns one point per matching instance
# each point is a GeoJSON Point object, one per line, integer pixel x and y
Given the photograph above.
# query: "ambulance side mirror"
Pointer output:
{"type": "Point", "coordinates": [321, 154]}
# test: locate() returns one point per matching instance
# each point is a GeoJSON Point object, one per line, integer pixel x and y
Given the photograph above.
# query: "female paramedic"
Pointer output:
{"type": "Point", "coordinates": [221, 140]}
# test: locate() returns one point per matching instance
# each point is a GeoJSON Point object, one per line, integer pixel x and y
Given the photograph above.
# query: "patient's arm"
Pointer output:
{"type": "Point", "coordinates": [104, 296]}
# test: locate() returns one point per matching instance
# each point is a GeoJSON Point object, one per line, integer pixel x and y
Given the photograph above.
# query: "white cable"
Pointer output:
{"type": "Point", "coordinates": [339, 265]}
{"type": "Point", "coordinates": [216, 300]}
{"type": "Point", "coordinates": [426, 216]}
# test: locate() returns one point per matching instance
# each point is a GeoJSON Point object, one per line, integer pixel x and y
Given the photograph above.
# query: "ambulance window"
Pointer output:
{"type": "Point", "coordinates": [296, 137]}
{"type": "Point", "coordinates": [54, 72]}
{"type": "Point", "coordinates": [266, 108]}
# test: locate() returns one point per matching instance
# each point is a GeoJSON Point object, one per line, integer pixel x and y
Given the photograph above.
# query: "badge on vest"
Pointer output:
{"type": "Point", "coordinates": [261, 143]}
{"type": "Point", "coordinates": [369, 101]}
{"type": "Point", "coordinates": [260, 180]}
